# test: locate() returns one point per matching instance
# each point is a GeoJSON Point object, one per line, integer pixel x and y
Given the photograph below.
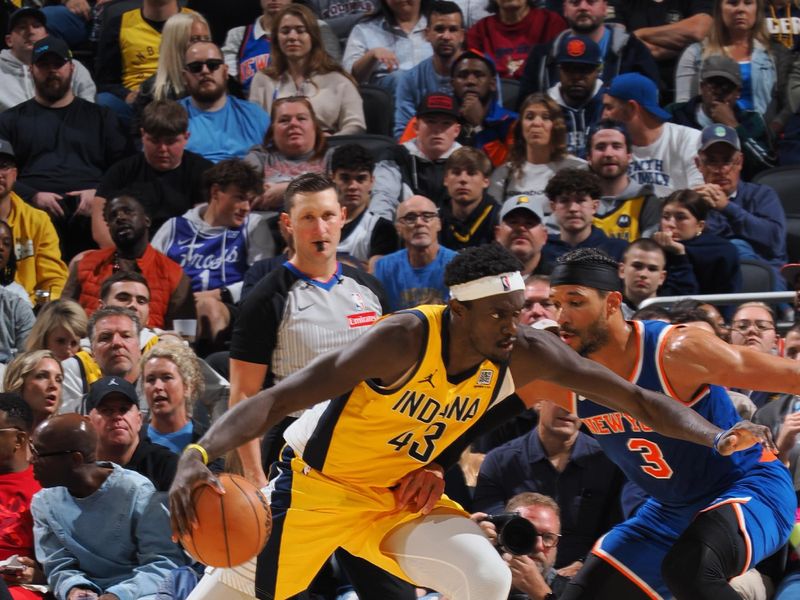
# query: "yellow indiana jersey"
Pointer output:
{"type": "Point", "coordinates": [138, 44]}
{"type": "Point", "coordinates": [624, 222]}
{"type": "Point", "coordinates": [373, 436]}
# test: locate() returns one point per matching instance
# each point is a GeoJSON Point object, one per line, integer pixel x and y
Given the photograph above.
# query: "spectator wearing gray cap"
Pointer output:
{"type": "Point", "coordinates": [522, 232]}
{"type": "Point", "coordinates": [750, 215]}
{"type": "Point", "coordinates": [26, 26]}
{"type": "Point", "coordinates": [739, 31]}
{"type": "Point", "coordinates": [720, 88]}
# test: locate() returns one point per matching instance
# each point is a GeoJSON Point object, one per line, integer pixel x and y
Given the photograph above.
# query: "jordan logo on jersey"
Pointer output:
{"type": "Point", "coordinates": [428, 379]}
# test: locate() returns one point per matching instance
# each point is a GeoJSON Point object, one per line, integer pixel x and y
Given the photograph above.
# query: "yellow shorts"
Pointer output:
{"type": "Point", "coordinates": [313, 515]}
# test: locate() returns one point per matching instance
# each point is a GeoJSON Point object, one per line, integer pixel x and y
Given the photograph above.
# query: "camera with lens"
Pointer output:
{"type": "Point", "coordinates": [515, 534]}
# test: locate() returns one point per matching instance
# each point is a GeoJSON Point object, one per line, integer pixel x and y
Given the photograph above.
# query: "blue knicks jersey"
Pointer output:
{"type": "Point", "coordinates": [672, 471]}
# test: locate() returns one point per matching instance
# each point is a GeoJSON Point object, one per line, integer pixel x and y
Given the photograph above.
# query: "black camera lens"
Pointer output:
{"type": "Point", "coordinates": [515, 534]}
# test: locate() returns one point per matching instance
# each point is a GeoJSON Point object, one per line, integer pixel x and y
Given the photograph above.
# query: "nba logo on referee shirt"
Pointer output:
{"type": "Point", "coordinates": [358, 300]}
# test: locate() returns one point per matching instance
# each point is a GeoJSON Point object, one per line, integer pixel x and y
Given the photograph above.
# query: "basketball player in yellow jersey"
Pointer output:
{"type": "Point", "coordinates": [358, 472]}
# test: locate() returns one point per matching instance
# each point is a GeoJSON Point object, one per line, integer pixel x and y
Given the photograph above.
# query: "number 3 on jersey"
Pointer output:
{"type": "Point", "coordinates": [419, 450]}
{"type": "Point", "coordinates": [655, 465]}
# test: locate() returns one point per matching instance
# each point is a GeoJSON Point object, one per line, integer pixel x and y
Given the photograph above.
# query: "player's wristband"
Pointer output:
{"type": "Point", "coordinates": [200, 449]}
{"type": "Point", "coordinates": [715, 445]}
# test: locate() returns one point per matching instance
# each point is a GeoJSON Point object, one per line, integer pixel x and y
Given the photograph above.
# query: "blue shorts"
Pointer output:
{"type": "Point", "coordinates": [764, 501]}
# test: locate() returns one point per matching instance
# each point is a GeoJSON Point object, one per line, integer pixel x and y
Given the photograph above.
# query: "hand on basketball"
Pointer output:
{"type": "Point", "coordinates": [743, 435]}
{"type": "Point", "coordinates": [191, 474]}
{"type": "Point", "coordinates": [420, 490]}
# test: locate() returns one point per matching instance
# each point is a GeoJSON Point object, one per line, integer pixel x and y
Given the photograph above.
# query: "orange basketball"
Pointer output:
{"type": "Point", "coordinates": [233, 527]}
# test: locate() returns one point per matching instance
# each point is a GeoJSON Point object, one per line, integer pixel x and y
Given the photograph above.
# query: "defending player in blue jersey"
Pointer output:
{"type": "Point", "coordinates": [710, 517]}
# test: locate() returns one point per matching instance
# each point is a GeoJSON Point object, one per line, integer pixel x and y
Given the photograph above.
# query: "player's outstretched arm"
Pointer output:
{"type": "Point", "coordinates": [386, 353]}
{"type": "Point", "coordinates": [541, 355]}
{"type": "Point", "coordinates": [698, 357]}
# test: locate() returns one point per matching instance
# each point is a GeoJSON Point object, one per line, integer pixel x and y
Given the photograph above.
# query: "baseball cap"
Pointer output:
{"type": "Point", "coordinates": [26, 11]}
{"type": "Point", "coordinates": [51, 45]}
{"type": "Point", "coordinates": [6, 149]}
{"type": "Point", "coordinates": [578, 49]}
{"type": "Point", "coordinates": [719, 65]}
{"type": "Point", "coordinates": [438, 104]}
{"type": "Point", "coordinates": [473, 53]}
{"type": "Point", "coordinates": [105, 386]}
{"type": "Point", "coordinates": [641, 89]}
{"type": "Point", "coordinates": [718, 133]}
{"type": "Point", "coordinates": [521, 202]}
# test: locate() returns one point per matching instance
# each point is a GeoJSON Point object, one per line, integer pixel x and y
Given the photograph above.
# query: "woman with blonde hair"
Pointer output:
{"type": "Point", "coordinates": [59, 328]}
{"type": "Point", "coordinates": [739, 31]}
{"type": "Point", "coordinates": [180, 31]}
{"type": "Point", "coordinates": [300, 66]}
{"type": "Point", "coordinates": [538, 152]}
{"type": "Point", "coordinates": [172, 381]}
{"type": "Point", "coordinates": [37, 376]}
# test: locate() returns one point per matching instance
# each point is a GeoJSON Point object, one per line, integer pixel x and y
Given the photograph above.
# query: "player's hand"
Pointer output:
{"type": "Point", "coordinates": [743, 435]}
{"type": "Point", "coordinates": [526, 576]}
{"type": "Point", "coordinates": [191, 474]}
{"type": "Point", "coordinates": [386, 57]}
{"type": "Point", "coordinates": [420, 490]}
{"type": "Point", "coordinates": [48, 202]}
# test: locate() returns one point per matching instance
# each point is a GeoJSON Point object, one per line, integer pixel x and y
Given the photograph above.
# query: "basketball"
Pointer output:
{"type": "Point", "coordinates": [232, 527]}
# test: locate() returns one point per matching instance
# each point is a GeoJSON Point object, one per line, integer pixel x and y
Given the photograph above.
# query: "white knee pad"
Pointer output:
{"type": "Point", "coordinates": [450, 554]}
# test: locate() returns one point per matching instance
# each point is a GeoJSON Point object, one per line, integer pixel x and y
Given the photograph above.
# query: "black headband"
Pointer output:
{"type": "Point", "coordinates": [598, 276]}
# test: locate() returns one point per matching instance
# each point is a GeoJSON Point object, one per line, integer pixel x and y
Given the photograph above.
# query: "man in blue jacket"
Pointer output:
{"type": "Point", "coordinates": [748, 214]}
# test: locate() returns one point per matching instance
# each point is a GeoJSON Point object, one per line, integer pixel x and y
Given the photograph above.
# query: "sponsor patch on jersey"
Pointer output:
{"type": "Point", "coordinates": [485, 377]}
{"type": "Point", "coordinates": [362, 319]}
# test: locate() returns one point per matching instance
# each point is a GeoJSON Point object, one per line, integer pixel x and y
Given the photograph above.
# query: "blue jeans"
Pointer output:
{"type": "Point", "coordinates": [789, 589]}
{"type": "Point", "coordinates": [122, 109]}
{"type": "Point", "coordinates": [63, 23]}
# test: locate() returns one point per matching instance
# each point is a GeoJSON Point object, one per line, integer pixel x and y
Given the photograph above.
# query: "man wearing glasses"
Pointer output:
{"type": "Point", "coordinates": [533, 576]}
{"type": "Point", "coordinates": [220, 126]}
{"type": "Point", "coordinates": [748, 214]}
{"type": "Point", "coordinates": [81, 559]}
{"type": "Point", "coordinates": [415, 275]}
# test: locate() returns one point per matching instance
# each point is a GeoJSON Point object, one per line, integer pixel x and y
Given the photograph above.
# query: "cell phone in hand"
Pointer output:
{"type": "Point", "coordinates": [11, 569]}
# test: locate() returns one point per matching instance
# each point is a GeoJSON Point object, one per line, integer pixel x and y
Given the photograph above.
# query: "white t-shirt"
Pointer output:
{"type": "Point", "coordinates": [669, 161]}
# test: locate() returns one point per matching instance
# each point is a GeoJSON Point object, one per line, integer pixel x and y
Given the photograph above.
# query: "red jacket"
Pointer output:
{"type": "Point", "coordinates": [162, 275]}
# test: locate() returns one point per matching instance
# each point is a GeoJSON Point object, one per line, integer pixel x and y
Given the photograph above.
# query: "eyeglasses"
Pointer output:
{"type": "Point", "coordinates": [37, 454]}
{"type": "Point", "coordinates": [412, 217]}
{"type": "Point", "coordinates": [550, 540]}
{"type": "Point", "coordinates": [761, 325]}
{"type": "Point", "coordinates": [716, 163]}
{"type": "Point", "coordinates": [197, 66]}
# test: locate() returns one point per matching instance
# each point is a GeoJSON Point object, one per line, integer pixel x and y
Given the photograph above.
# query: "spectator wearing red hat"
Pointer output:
{"type": "Point", "coordinates": [417, 166]}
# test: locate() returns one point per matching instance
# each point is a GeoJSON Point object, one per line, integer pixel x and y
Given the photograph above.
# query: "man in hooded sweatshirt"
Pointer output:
{"type": "Point", "coordinates": [215, 243]}
{"type": "Point", "coordinates": [579, 90]}
{"type": "Point", "coordinates": [26, 26]}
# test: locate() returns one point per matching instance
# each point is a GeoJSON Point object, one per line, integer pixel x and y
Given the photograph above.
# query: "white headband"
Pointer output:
{"type": "Point", "coordinates": [488, 286]}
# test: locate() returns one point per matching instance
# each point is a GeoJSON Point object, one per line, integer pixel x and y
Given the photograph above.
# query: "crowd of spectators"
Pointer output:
{"type": "Point", "coordinates": [151, 249]}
